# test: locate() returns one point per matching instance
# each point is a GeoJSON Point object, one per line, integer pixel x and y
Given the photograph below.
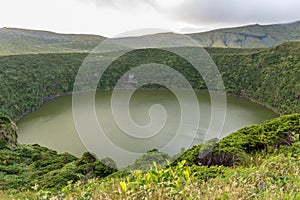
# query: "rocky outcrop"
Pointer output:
{"type": "Point", "coordinates": [8, 131]}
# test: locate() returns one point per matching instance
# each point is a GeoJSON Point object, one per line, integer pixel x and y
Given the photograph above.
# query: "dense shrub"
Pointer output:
{"type": "Point", "coordinates": [25, 166]}
{"type": "Point", "coordinates": [270, 135]}
{"type": "Point", "coordinates": [145, 161]}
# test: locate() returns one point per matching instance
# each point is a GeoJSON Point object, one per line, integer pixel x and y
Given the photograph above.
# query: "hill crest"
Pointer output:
{"type": "Point", "coordinates": [14, 41]}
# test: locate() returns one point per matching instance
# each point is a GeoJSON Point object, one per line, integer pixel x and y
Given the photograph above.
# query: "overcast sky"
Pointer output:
{"type": "Point", "coordinates": [113, 17]}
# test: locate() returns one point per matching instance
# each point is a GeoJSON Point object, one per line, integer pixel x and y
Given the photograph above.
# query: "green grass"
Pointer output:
{"type": "Point", "coordinates": [276, 176]}
{"type": "Point", "coordinates": [268, 171]}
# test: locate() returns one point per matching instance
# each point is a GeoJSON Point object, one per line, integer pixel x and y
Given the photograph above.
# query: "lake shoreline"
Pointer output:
{"type": "Point", "coordinates": [50, 98]}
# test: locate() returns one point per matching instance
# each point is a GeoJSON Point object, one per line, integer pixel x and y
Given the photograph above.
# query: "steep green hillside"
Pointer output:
{"type": "Point", "coordinates": [267, 168]}
{"type": "Point", "coordinates": [29, 80]}
{"type": "Point", "coordinates": [253, 36]}
{"type": "Point", "coordinates": [21, 41]}
{"type": "Point", "coordinates": [267, 76]}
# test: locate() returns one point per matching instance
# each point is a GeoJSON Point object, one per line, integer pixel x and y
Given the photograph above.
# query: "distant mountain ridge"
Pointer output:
{"type": "Point", "coordinates": [15, 41]}
{"type": "Point", "coordinates": [251, 36]}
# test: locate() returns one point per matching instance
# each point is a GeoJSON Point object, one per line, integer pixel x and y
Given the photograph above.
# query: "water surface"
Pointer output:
{"type": "Point", "coordinates": [52, 125]}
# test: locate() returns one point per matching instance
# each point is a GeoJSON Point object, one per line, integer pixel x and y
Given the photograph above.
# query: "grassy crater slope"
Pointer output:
{"type": "Point", "coordinates": [267, 76]}
{"type": "Point", "coordinates": [14, 41]}
{"type": "Point", "coordinates": [267, 168]}
{"type": "Point", "coordinates": [251, 36]}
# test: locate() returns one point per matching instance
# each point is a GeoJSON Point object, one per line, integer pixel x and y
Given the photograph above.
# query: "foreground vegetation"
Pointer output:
{"type": "Point", "coordinates": [265, 166]}
{"type": "Point", "coordinates": [274, 177]}
{"type": "Point", "coordinates": [27, 165]}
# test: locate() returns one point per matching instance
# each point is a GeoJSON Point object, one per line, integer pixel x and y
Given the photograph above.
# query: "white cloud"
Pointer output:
{"type": "Point", "coordinates": [111, 17]}
{"type": "Point", "coordinates": [122, 4]}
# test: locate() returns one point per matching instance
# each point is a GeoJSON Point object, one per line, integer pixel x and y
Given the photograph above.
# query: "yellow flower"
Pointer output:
{"type": "Point", "coordinates": [123, 186]}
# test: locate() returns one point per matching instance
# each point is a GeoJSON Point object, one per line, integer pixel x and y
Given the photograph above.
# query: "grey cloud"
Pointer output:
{"type": "Point", "coordinates": [217, 12]}
{"type": "Point", "coordinates": [235, 11]}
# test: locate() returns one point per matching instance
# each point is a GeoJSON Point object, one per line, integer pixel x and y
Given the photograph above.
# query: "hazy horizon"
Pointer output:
{"type": "Point", "coordinates": [112, 17]}
{"type": "Point", "coordinates": [140, 32]}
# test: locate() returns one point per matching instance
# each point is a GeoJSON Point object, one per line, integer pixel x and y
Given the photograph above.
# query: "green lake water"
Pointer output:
{"type": "Point", "coordinates": [53, 126]}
